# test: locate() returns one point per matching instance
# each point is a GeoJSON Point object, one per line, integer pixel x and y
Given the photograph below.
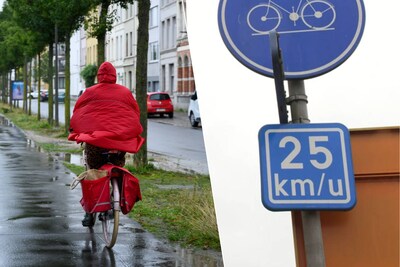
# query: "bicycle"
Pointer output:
{"type": "Point", "coordinates": [105, 192]}
{"type": "Point", "coordinates": [315, 14]}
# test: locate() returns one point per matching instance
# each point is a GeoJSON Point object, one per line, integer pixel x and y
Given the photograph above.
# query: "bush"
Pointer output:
{"type": "Point", "coordinates": [88, 74]}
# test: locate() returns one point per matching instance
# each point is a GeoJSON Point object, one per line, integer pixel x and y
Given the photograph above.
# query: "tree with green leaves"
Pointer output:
{"type": "Point", "coordinates": [18, 45]}
{"type": "Point", "coordinates": [35, 16]}
{"type": "Point", "coordinates": [63, 16]}
{"type": "Point", "coordinates": [69, 16]}
{"type": "Point", "coordinates": [89, 74]}
{"type": "Point", "coordinates": [97, 24]}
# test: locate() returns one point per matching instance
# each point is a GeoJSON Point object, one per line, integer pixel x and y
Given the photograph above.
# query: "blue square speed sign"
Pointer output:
{"type": "Point", "coordinates": [306, 167]}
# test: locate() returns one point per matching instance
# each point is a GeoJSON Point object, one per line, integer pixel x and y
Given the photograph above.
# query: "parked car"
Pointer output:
{"type": "Point", "coordinates": [61, 96]}
{"type": "Point", "coordinates": [159, 103]}
{"type": "Point", "coordinates": [193, 111]}
{"type": "Point", "coordinates": [33, 95]}
{"type": "Point", "coordinates": [44, 95]}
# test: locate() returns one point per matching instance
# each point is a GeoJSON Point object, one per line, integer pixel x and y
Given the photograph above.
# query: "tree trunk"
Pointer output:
{"type": "Point", "coordinates": [29, 88]}
{"type": "Point", "coordinates": [67, 83]}
{"type": "Point", "coordinates": [25, 90]}
{"type": "Point", "coordinates": [3, 87]}
{"type": "Point", "coordinates": [101, 37]}
{"type": "Point", "coordinates": [39, 85]}
{"type": "Point", "coordinates": [141, 75]}
{"type": "Point", "coordinates": [50, 75]}
{"type": "Point", "coordinates": [10, 91]}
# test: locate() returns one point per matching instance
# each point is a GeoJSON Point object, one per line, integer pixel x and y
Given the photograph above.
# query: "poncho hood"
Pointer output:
{"type": "Point", "coordinates": [106, 73]}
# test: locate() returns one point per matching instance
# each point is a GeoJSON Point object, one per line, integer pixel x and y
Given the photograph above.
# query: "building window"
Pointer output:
{"type": "Point", "coordinates": [163, 35]}
{"type": "Point", "coordinates": [126, 45]}
{"type": "Point", "coordinates": [168, 33]}
{"type": "Point", "coordinates": [153, 50]}
{"type": "Point", "coordinates": [173, 32]}
{"type": "Point", "coordinates": [171, 78]}
{"type": "Point", "coordinates": [117, 48]}
{"type": "Point", "coordinates": [156, 86]}
{"type": "Point", "coordinates": [120, 46]}
{"type": "Point", "coordinates": [153, 21]}
{"type": "Point", "coordinates": [130, 80]}
{"type": "Point", "coordinates": [61, 82]}
{"type": "Point", "coordinates": [163, 74]}
{"type": "Point", "coordinates": [131, 46]}
{"type": "Point", "coordinates": [131, 11]}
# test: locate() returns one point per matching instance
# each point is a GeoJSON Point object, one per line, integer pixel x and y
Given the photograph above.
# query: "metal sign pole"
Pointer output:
{"type": "Point", "coordinates": [297, 100]}
{"type": "Point", "coordinates": [313, 242]}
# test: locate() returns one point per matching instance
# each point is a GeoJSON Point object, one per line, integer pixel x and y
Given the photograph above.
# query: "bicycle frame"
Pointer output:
{"type": "Point", "coordinates": [116, 194]}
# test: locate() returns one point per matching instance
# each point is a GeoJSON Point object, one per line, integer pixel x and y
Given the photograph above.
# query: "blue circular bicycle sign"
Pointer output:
{"type": "Point", "coordinates": [316, 36]}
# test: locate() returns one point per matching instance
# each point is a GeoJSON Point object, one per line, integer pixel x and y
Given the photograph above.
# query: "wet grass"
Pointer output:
{"type": "Point", "coordinates": [175, 206]}
{"type": "Point", "coordinates": [30, 122]}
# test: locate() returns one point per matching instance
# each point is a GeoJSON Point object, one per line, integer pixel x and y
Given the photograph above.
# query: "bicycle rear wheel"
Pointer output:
{"type": "Point", "coordinates": [110, 223]}
{"type": "Point", "coordinates": [110, 218]}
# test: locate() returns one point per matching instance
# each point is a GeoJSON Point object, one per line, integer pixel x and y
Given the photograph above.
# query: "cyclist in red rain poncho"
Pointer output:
{"type": "Point", "coordinates": [106, 118]}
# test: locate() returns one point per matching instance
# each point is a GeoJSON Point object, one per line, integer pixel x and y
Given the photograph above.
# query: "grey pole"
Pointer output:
{"type": "Point", "coordinates": [313, 242]}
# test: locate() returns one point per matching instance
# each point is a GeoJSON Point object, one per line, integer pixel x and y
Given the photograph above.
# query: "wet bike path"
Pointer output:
{"type": "Point", "coordinates": [40, 217]}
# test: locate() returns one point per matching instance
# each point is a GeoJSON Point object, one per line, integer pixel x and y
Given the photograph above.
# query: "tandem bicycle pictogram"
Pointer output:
{"type": "Point", "coordinates": [315, 15]}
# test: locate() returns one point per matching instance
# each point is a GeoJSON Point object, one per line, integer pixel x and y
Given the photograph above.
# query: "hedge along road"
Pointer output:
{"type": "Point", "coordinates": [173, 142]}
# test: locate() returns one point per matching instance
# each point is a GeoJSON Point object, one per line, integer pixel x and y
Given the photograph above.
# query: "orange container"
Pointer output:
{"type": "Point", "coordinates": [367, 235]}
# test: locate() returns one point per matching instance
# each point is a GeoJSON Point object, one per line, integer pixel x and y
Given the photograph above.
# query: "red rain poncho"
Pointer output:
{"type": "Point", "coordinates": [107, 115]}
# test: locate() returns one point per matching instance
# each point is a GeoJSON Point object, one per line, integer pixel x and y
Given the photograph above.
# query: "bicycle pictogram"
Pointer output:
{"type": "Point", "coordinates": [308, 15]}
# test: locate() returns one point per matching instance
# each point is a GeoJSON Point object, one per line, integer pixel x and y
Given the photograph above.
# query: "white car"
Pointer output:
{"type": "Point", "coordinates": [193, 111]}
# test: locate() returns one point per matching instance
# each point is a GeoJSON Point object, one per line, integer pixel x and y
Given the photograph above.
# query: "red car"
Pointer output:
{"type": "Point", "coordinates": [159, 103]}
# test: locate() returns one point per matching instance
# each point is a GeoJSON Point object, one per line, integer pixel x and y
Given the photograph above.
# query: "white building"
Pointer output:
{"type": "Point", "coordinates": [167, 42]}
{"type": "Point", "coordinates": [115, 44]}
{"type": "Point", "coordinates": [153, 69]}
{"type": "Point", "coordinates": [76, 64]}
{"type": "Point", "coordinates": [169, 63]}
{"type": "Point", "coordinates": [129, 45]}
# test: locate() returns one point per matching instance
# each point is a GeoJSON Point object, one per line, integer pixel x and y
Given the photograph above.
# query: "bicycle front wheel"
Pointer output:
{"type": "Point", "coordinates": [110, 223]}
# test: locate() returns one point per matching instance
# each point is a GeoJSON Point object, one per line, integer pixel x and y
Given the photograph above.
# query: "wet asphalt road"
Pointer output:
{"type": "Point", "coordinates": [40, 217]}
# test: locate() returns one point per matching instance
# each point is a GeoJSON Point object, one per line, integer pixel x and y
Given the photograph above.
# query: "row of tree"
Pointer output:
{"type": "Point", "coordinates": [29, 28]}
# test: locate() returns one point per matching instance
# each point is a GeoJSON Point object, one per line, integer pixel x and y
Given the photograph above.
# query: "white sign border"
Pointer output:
{"type": "Point", "coordinates": [319, 201]}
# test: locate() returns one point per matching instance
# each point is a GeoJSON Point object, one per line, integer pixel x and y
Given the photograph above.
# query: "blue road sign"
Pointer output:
{"type": "Point", "coordinates": [316, 36]}
{"type": "Point", "coordinates": [306, 167]}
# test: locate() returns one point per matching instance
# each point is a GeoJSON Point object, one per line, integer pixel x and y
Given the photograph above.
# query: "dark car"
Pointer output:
{"type": "Point", "coordinates": [159, 103]}
{"type": "Point", "coordinates": [61, 96]}
{"type": "Point", "coordinates": [44, 95]}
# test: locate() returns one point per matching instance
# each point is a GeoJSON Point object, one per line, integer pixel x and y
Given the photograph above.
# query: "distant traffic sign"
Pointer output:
{"type": "Point", "coordinates": [306, 167]}
{"type": "Point", "coordinates": [316, 36]}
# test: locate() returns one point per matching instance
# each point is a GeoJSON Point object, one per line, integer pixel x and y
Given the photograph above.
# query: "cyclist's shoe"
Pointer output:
{"type": "Point", "coordinates": [88, 220]}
